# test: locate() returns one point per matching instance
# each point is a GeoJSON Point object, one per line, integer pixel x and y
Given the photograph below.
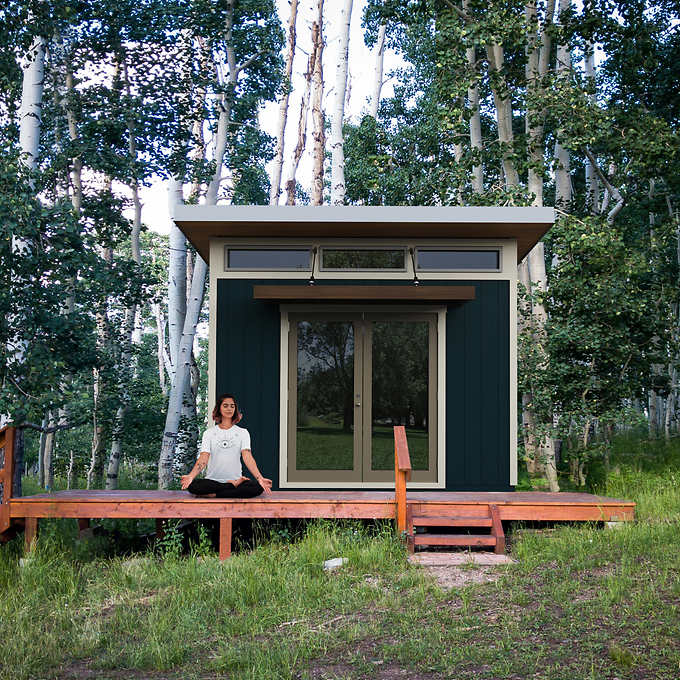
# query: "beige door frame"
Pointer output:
{"type": "Point", "coordinates": [362, 471]}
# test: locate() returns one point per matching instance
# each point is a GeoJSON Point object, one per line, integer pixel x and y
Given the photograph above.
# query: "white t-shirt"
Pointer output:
{"type": "Point", "coordinates": [224, 447]}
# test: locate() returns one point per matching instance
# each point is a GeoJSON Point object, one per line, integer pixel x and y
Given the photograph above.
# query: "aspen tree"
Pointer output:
{"type": "Point", "coordinates": [30, 119]}
{"type": "Point", "coordinates": [378, 71]}
{"type": "Point", "coordinates": [229, 70]}
{"type": "Point", "coordinates": [302, 118]}
{"type": "Point", "coordinates": [337, 148]}
{"type": "Point", "coordinates": [318, 133]}
{"type": "Point", "coordinates": [275, 189]}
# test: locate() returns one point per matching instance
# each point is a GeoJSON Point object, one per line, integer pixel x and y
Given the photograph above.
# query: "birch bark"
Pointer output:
{"type": "Point", "coordinates": [302, 120]}
{"type": "Point", "coordinates": [496, 59]}
{"type": "Point", "coordinates": [177, 263]}
{"type": "Point", "coordinates": [592, 183]}
{"type": "Point", "coordinates": [337, 142]}
{"type": "Point", "coordinates": [275, 189]}
{"type": "Point", "coordinates": [318, 134]}
{"type": "Point", "coordinates": [378, 71]}
{"type": "Point", "coordinates": [562, 160]}
{"type": "Point", "coordinates": [475, 118]}
{"type": "Point", "coordinates": [538, 51]}
{"type": "Point", "coordinates": [30, 113]}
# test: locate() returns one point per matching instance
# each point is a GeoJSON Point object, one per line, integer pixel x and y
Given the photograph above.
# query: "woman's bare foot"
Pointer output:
{"type": "Point", "coordinates": [238, 481]}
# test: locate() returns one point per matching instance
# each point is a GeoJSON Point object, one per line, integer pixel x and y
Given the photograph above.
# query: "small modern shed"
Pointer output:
{"type": "Point", "coordinates": [332, 324]}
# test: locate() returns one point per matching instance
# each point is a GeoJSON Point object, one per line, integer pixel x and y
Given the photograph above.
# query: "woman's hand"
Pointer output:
{"type": "Point", "coordinates": [185, 481]}
{"type": "Point", "coordinates": [266, 485]}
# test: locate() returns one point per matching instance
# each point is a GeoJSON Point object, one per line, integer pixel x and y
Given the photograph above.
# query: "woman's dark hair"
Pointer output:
{"type": "Point", "coordinates": [217, 416]}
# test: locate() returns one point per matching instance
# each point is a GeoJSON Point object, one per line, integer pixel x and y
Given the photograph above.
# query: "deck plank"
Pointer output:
{"type": "Point", "coordinates": [522, 505]}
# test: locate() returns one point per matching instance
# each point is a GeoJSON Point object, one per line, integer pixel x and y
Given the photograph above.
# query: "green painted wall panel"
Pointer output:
{"type": "Point", "coordinates": [478, 388]}
{"type": "Point", "coordinates": [477, 379]}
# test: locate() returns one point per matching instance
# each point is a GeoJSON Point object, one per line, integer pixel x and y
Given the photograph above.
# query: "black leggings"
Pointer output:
{"type": "Point", "coordinates": [246, 489]}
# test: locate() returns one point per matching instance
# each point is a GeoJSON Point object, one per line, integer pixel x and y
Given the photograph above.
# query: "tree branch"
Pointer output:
{"type": "Point", "coordinates": [52, 428]}
{"type": "Point", "coordinates": [614, 192]}
{"type": "Point", "coordinates": [462, 14]}
{"type": "Point", "coordinates": [248, 62]}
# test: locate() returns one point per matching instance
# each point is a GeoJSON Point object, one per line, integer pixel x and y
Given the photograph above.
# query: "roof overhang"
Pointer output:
{"type": "Point", "coordinates": [202, 223]}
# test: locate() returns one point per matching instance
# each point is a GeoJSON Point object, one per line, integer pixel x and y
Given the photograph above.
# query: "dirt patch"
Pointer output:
{"type": "Point", "coordinates": [455, 577]}
{"type": "Point", "coordinates": [82, 670]}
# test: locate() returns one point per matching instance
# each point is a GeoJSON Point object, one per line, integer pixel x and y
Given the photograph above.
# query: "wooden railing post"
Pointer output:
{"type": "Point", "coordinates": [6, 474]}
{"type": "Point", "coordinates": [402, 473]}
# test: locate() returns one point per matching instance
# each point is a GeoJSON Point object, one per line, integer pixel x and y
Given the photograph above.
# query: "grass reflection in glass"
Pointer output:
{"type": "Point", "coordinates": [324, 446]}
{"type": "Point", "coordinates": [383, 448]}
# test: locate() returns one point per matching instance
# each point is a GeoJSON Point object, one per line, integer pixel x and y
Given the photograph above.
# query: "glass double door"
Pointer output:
{"type": "Point", "coordinates": [352, 377]}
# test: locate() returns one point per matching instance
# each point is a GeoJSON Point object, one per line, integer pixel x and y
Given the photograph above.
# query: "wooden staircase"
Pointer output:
{"type": "Point", "coordinates": [411, 516]}
{"type": "Point", "coordinates": [466, 529]}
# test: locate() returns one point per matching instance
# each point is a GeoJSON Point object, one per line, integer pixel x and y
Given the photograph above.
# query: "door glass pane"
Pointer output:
{"type": "Point", "coordinates": [325, 384]}
{"type": "Point", "coordinates": [400, 391]}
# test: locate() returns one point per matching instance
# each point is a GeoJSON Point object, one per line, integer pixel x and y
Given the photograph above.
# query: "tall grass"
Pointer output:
{"type": "Point", "coordinates": [581, 602]}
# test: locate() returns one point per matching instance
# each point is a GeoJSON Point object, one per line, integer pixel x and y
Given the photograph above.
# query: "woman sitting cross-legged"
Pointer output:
{"type": "Point", "coordinates": [222, 448]}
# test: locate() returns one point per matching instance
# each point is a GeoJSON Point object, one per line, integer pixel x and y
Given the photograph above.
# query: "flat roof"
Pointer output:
{"type": "Point", "coordinates": [202, 223]}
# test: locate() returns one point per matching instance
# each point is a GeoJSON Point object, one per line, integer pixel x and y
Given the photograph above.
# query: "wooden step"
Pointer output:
{"type": "Point", "coordinates": [452, 521]}
{"type": "Point", "coordinates": [469, 540]}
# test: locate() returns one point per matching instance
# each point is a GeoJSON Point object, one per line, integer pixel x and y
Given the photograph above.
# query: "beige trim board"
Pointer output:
{"type": "Point", "coordinates": [284, 413]}
{"type": "Point", "coordinates": [508, 248]}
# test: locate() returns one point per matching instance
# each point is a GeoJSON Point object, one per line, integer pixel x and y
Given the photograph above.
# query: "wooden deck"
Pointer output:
{"type": "Point", "coordinates": [411, 510]}
{"type": "Point", "coordinates": [86, 505]}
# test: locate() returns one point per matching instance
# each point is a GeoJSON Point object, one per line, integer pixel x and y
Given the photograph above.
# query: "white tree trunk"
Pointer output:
{"type": "Point", "coordinates": [592, 183]}
{"type": "Point", "coordinates": [378, 71]}
{"type": "Point", "coordinates": [503, 105]}
{"type": "Point", "coordinates": [160, 348]}
{"type": "Point", "coordinates": [177, 263]}
{"type": "Point", "coordinates": [302, 124]}
{"type": "Point", "coordinates": [563, 190]}
{"type": "Point", "coordinates": [48, 456]}
{"type": "Point", "coordinates": [30, 113]}
{"type": "Point", "coordinates": [182, 367]}
{"type": "Point", "coordinates": [182, 371]}
{"type": "Point", "coordinates": [538, 51]}
{"type": "Point", "coordinates": [337, 142]}
{"type": "Point", "coordinates": [275, 189]}
{"type": "Point", "coordinates": [475, 118]}
{"type": "Point", "coordinates": [30, 119]}
{"type": "Point", "coordinates": [95, 469]}
{"type": "Point", "coordinates": [124, 370]}
{"type": "Point", "coordinates": [318, 134]}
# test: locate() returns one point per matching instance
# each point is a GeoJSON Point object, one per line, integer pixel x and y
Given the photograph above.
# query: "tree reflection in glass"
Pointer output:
{"type": "Point", "coordinates": [325, 384]}
{"type": "Point", "coordinates": [399, 382]}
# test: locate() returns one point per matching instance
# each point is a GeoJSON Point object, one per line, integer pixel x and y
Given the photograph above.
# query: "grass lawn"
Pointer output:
{"type": "Point", "coordinates": [326, 446]}
{"type": "Point", "coordinates": [581, 602]}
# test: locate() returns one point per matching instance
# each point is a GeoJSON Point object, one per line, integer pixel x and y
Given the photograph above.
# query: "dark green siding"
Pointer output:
{"type": "Point", "coordinates": [477, 377]}
{"type": "Point", "coordinates": [478, 390]}
{"type": "Point", "coordinates": [247, 365]}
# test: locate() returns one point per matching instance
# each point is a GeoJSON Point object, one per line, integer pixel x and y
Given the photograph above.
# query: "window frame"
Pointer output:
{"type": "Point", "coordinates": [472, 249]}
{"type": "Point", "coordinates": [351, 248]}
{"type": "Point", "coordinates": [229, 247]}
{"type": "Point", "coordinates": [286, 480]}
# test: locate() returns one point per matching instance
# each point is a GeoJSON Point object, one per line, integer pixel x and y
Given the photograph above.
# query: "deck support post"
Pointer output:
{"type": "Point", "coordinates": [497, 529]}
{"type": "Point", "coordinates": [160, 529]}
{"type": "Point", "coordinates": [410, 531]}
{"type": "Point", "coordinates": [225, 537]}
{"type": "Point", "coordinates": [30, 533]}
